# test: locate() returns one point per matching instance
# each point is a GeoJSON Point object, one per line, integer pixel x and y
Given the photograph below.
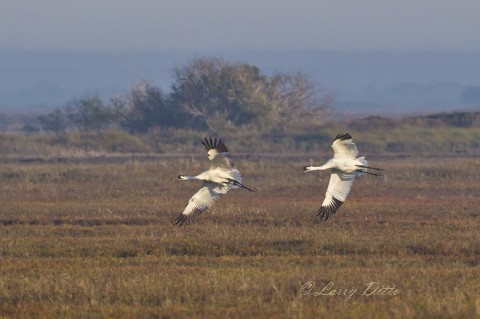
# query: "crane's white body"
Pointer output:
{"type": "Point", "coordinates": [218, 180]}
{"type": "Point", "coordinates": [217, 176]}
{"type": "Point", "coordinates": [222, 171]}
{"type": "Point", "coordinates": [345, 166]}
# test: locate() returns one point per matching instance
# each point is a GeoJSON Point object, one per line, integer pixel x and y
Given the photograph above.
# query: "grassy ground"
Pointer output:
{"type": "Point", "coordinates": [389, 137]}
{"type": "Point", "coordinates": [94, 240]}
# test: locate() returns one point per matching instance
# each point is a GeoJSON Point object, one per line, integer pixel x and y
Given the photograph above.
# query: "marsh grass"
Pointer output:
{"type": "Point", "coordinates": [80, 239]}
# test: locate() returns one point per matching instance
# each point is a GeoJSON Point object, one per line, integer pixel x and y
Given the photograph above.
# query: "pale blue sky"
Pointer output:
{"type": "Point", "coordinates": [196, 25]}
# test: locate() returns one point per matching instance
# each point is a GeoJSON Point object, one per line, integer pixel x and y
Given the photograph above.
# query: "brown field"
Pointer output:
{"type": "Point", "coordinates": [93, 239]}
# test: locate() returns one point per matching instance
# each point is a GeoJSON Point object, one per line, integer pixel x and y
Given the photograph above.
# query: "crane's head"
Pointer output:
{"type": "Point", "coordinates": [180, 178]}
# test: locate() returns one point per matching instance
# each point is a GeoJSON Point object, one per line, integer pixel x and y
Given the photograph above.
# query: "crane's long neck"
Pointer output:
{"type": "Point", "coordinates": [325, 166]}
{"type": "Point", "coordinates": [187, 178]}
{"type": "Point", "coordinates": [205, 176]}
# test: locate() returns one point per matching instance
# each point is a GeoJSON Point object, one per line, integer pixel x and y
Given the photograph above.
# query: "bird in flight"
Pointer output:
{"type": "Point", "coordinates": [218, 180]}
{"type": "Point", "coordinates": [345, 166]}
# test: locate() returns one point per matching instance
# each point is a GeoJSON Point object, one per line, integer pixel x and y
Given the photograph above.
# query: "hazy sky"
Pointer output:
{"type": "Point", "coordinates": [153, 25]}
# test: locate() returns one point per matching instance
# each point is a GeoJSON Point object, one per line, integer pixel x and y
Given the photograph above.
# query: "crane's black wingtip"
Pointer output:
{"type": "Point", "coordinates": [325, 212]}
{"type": "Point", "coordinates": [181, 220]}
{"type": "Point", "coordinates": [343, 136]}
{"type": "Point", "coordinates": [215, 144]}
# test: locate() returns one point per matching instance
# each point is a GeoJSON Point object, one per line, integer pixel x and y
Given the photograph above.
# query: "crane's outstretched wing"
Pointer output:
{"type": "Point", "coordinates": [221, 162]}
{"type": "Point", "coordinates": [337, 191]}
{"type": "Point", "coordinates": [214, 144]}
{"type": "Point", "coordinates": [218, 153]}
{"type": "Point", "coordinates": [344, 147]}
{"type": "Point", "coordinates": [201, 201]}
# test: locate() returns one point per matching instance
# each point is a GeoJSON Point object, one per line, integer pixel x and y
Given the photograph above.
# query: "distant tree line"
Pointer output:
{"type": "Point", "coordinates": [438, 120]}
{"type": "Point", "coordinates": [206, 94]}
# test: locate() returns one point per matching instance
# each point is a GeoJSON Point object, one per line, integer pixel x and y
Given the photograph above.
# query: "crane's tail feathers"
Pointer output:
{"type": "Point", "coordinates": [237, 183]}
{"type": "Point", "coordinates": [363, 170]}
{"type": "Point", "coordinates": [369, 173]}
{"type": "Point", "coordinates": [369, 167]}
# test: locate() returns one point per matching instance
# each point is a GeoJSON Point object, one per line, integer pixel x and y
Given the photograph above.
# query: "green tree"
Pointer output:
{"type": "Point", "coordinates": [215, 93]}
{"type": "Point", "coordinates": [54, 121]}
{"type": "Point", "coordinates": [297, 101]}
{"type": "Point", "coordinates": [143, 107]}
{"type": "Point", "coordinates": [90, 113]}
{"type": "Point", "coordinates": [30, 129]}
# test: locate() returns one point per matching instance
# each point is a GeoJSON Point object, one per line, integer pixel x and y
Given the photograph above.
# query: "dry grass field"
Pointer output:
{"type": "Point", "coordinates": [94, 239]}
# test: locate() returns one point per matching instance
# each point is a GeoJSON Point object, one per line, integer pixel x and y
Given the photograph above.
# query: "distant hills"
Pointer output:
{"type": "Point", "coordinates": [361, 83]}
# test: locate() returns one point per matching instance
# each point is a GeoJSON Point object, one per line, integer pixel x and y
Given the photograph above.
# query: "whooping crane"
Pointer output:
{"type": "Point", "coordinates": [218, 180]}
{"type": "Point", "coordinates": [345, 166]}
